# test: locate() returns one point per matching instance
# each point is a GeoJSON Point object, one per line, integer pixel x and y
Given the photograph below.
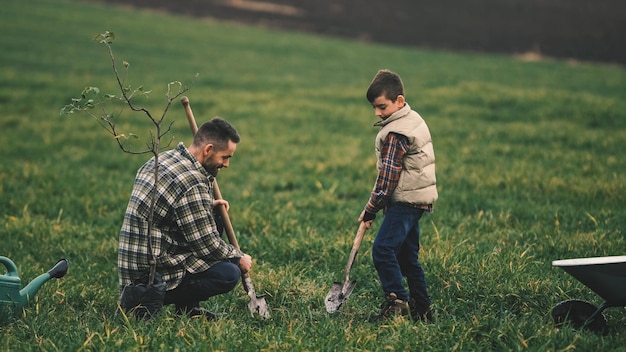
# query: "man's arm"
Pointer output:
{"type": "Point", "coordinates": [195, 217]}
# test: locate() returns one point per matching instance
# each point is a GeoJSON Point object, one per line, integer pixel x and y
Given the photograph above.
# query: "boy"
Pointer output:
{"type": "Point", "coordinates": [405, 188]}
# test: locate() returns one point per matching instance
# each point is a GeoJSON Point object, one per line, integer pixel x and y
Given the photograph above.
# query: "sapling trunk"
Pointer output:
{"type": "Point", "coordinates": [108, 121]}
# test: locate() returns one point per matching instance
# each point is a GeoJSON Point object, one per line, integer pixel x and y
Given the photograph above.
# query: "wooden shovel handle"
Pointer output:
{"type": "Point", "coordinates": [355, 247]}
{"type": "Point", "coordinates": [228, 226]}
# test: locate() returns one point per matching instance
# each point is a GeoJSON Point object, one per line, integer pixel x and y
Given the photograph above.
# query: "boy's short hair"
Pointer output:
{"type": "Point", "coordinates": [385, 83]}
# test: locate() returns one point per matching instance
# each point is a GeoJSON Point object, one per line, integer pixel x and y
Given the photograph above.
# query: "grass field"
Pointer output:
{"type": "Point", "coordinates": [529, 167]}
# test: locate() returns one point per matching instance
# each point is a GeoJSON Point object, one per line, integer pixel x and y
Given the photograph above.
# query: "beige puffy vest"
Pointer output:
{"type": "Point", "coordinates": [417, 183]}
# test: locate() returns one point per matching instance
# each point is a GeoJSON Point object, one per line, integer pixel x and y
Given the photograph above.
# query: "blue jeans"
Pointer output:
{"type": "Point", "coordinates": [220, 278]}
{"type": "Point", "coordinates": [395, 254]}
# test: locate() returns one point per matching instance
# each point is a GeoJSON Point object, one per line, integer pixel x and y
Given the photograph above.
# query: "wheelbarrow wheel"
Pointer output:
{"type": "Point", "coordinates": [576, 313]}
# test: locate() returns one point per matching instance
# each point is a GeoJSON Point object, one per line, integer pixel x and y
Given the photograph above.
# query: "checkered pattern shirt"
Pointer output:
{"type": "Point", "coordinates": [184, 233]}
{"type": "Point", "coordinates": [392, 155]}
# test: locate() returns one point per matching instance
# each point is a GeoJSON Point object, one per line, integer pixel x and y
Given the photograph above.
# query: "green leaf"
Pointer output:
{"type": "Point", "coordinates": [105, 38]}
{"type": "Point", "coordinates": [90, 90]}
{"type": "Point", "coordinates": [66, 110]}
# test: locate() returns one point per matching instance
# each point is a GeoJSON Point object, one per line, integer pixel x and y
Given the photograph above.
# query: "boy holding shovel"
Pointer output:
{"type": "Point", "coordinates": [405, 188]}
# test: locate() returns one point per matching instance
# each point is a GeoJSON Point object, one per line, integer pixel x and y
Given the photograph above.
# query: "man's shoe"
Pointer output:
{"type": "Point", "coordinates": [196, 312]}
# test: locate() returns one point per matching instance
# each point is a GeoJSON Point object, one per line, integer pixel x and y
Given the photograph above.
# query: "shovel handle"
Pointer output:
{"type": "Point", "coordinates": [216, 189]}
{"type": "Point", "coordinates": [230, 232]}
{"type": "Point", "coordinates": [355, 247]}
{"type": "Point", "coordinates": [228, 226]}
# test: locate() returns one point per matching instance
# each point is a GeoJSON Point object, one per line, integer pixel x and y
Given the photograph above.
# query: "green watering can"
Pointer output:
{"type": "Point", "coordinates": [11, 291]}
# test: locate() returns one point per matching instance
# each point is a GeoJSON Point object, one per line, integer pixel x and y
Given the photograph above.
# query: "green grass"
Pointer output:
{"type": "Point", "coordinates": [529, 165]}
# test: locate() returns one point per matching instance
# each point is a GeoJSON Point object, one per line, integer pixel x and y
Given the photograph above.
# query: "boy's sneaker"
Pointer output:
{"type": "Point", "coordinates": [391, 307]}
{"type": "Point", "coordinates": [419, 313]}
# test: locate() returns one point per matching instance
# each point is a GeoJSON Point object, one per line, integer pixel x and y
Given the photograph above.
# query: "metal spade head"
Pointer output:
{"type": "Point", "coordinates": [258, 305]}
{"type": "Point", "coordinates": [338, 294]}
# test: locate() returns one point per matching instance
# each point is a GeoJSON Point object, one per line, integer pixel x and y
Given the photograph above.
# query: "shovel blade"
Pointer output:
{"type": "Point", "coordinates": [258, 306]}
{"type": "Point", "coordinates": [339, 293]}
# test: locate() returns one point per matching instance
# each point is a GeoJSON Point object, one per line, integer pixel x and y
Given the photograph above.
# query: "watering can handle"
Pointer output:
{"type": "Point", "coordinates": [9, 265]}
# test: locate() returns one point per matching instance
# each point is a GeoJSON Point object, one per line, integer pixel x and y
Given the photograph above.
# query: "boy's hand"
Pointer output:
{"type": "Point", "coordinates": [367, 219]}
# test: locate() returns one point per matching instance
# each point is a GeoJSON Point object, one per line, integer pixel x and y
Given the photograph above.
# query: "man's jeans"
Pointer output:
{"type": "Point", "coordinates": [219, 279]}
{"type": "Point", "coordinates": [395, 253]}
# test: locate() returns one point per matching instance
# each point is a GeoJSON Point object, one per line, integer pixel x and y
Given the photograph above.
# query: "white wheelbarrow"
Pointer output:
{"type": "Point", "coordinates": [605, 276]}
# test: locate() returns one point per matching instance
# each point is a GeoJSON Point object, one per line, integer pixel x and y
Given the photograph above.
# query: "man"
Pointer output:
{"type": "Point", "coordinates": [405, 188]}
{"type": "Point", "coordinates": [194, 261]}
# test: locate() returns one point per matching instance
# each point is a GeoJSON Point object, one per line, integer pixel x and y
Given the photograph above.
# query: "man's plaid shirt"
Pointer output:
{"type": "Point", "coordinates": [184, 235]}
{"type": "Point", "coordinates": [392, 156]}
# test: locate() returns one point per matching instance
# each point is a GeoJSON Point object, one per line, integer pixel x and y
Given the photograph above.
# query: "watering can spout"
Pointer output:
{"type": "Point", "coordinates": [58, 271]}
{"type": "Point", "coordinates": [11, 293]}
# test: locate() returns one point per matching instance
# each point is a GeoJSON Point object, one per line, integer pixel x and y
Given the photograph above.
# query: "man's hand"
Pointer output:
{"type": "Point", "coordinates": [245, 263]}
{"type": "Point", "coordinates": [218, 202]}
{"type": "Point", "coordinates": [367, 219]}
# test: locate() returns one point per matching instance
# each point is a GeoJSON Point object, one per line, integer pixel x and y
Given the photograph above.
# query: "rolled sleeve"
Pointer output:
{"type": "Point", "coordinates": [392, 156]}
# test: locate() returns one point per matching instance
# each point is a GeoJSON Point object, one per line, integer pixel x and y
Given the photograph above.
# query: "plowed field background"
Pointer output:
{"type": "Point", "coordinates": [566, 29]}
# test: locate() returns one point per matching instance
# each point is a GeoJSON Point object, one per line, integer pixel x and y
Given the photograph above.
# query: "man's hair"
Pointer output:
{"type": "Point", "coordinates": [216, 131]}
{"type": "Point", "coordinates": [385, 83]}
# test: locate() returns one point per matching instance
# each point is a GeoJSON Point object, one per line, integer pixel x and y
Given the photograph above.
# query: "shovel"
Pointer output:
{"type": "Point", "coordinates": [257, 304]}
{"type": "Point", "coordinates": [340, 292]}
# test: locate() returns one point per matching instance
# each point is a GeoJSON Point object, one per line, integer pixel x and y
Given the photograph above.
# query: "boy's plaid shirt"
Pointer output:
{"type": "Point", "coordinates": [184, 235]}
{"type": "Point", "coordinates": [392, 155]}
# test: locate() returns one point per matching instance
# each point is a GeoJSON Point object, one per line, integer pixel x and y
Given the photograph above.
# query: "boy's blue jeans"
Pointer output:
{"type": "Point", "coordinates": [219, 279]}
{"type": "Point", "coordinates": [395, 254]}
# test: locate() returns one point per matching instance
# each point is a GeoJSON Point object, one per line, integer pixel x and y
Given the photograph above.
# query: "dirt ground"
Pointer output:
{"type": "Point", "coordinates": [567, 29]}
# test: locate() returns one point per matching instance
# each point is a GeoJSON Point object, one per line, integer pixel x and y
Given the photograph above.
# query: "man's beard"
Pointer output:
{"type": "Point", "coordinates": [213, 171]}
